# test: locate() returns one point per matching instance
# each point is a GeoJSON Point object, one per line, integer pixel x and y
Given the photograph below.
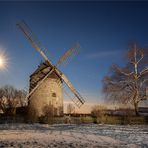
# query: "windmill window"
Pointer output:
{"type": "Point", "coordinates": [53, 94]}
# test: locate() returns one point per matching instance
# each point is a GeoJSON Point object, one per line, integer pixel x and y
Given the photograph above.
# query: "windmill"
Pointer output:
{"type": "Point", "coordinates": [45, 82]}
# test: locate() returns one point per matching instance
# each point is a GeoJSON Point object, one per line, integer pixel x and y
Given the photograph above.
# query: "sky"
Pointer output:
{"type": "Point", "coordinates": [103, 30]}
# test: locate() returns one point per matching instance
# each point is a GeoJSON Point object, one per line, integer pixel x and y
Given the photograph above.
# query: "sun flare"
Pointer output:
{"type": "Point", "coordinates": [3, 60]}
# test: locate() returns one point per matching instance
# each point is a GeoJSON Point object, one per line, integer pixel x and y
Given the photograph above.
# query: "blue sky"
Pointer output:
{"type": "Point", "coordinates": [103, 29]}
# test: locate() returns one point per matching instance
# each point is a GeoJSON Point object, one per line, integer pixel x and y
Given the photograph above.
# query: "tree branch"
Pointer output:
{"type": "Point", "coordinates": [140, 58]}
{"type": "Point", "coordinates": [122, 72]}
{"type": "Point", "coordinates": [144, 71]}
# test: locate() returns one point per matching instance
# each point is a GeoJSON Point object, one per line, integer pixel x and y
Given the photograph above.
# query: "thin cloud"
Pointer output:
{"type": "Point", "coordinates": [103, 54]}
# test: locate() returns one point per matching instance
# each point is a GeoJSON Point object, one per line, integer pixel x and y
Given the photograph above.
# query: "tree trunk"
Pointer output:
{"type": "Point", "coordinates": [136, 108]}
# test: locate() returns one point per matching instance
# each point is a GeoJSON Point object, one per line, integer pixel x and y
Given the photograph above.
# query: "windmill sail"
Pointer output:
{"type": "Point", "coordinates": [35, 43]}
{"type": "Point", "coordinates": [32, 39]}
{"type": "Point", "coordinates": [69, 84]}
{"type": "Point", "coordinates": [68, 54]}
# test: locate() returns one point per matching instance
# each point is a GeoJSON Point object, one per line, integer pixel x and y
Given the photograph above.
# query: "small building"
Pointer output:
{"type": "Point", "coordinates": [48, 97]}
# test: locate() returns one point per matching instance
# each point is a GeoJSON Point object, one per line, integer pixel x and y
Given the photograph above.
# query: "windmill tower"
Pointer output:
{"type": "Point", "coordinates": [48, 94]}
{"type": "Point", "coordinates": [46, 81]}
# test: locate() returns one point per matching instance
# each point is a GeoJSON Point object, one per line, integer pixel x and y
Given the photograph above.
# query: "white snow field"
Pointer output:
{"type": "Point", "coordinates": [73, 136]}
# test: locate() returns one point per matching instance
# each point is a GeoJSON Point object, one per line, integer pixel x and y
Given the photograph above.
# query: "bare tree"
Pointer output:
{"type": "Point", "coordinates": [10, 97]}
{"type": "Point", "coordinates": [23, 101]}
{"type": "Point", "coordinates": [70, 108]}
{"type": "Point", "coordinates": [98, 110]}
{"type": "Point", "coordinates": [129, 84]}
{"type": "Point", "coordinates": [3, 101]}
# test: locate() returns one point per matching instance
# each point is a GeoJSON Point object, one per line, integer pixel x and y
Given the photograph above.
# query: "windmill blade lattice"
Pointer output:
{"type": "Point", "coordinates": [69, 55]}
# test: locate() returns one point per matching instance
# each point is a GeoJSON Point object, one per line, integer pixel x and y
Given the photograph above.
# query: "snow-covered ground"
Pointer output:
{"type": "Point", "coordinates": [73, 136]}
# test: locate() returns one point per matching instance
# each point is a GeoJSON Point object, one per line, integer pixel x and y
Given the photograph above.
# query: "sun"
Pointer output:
{"type": "Point", "coordinates": [3, 60]}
